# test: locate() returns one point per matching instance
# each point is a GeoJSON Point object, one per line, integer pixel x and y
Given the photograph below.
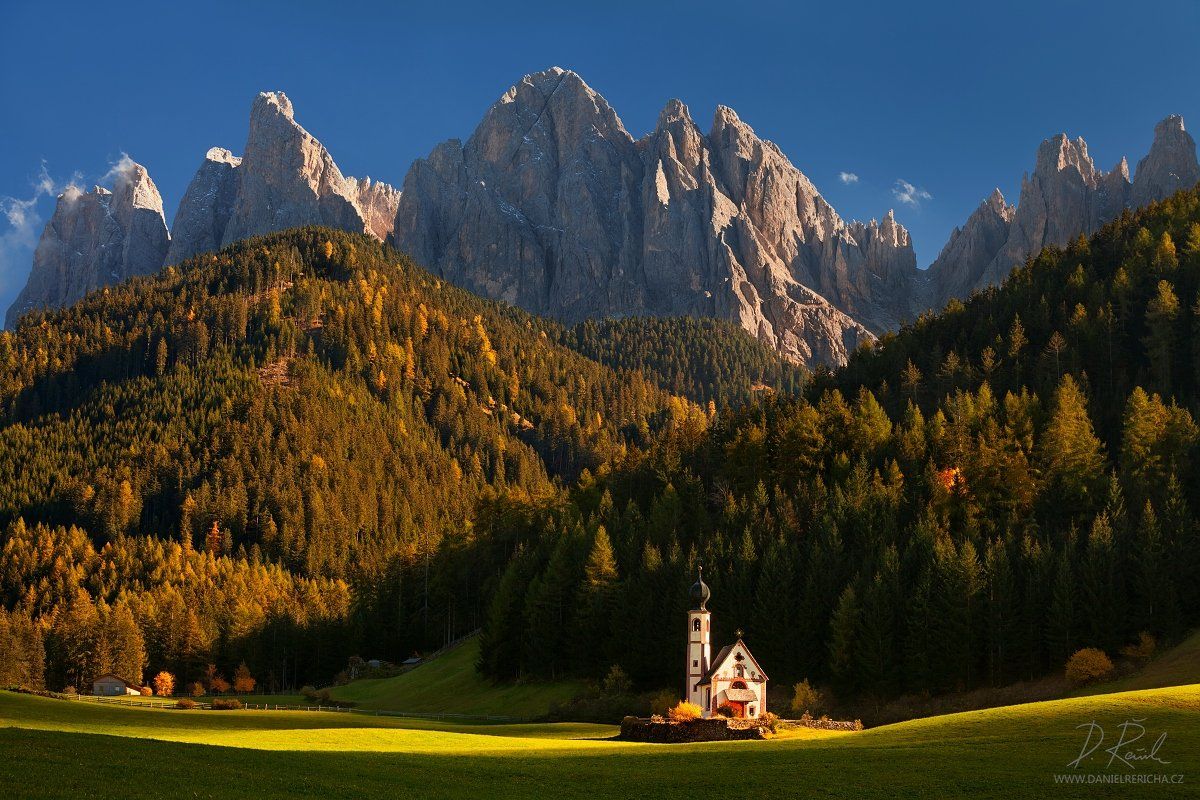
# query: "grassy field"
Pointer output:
{"type": "Point", "coordinates": [55, 748]}
{"type": "Point", "coordinates": [450, 684]}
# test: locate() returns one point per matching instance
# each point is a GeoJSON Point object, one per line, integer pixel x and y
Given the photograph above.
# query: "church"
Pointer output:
{"type": "Point", "coordinates": [733, 679]}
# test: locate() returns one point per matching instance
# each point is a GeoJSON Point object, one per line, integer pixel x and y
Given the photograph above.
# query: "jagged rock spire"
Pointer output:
{"type": "Point", "coordinates": [96, 238]}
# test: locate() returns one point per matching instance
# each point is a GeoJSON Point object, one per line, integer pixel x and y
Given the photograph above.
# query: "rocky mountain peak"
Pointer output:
{"type": "Point", "coordinates": [133, 188]}
{"type": "Point", "coordinates": [268, 104]}
{"type": "Point", "coordinates": [996, 203]}
{"type": "Point", "coordinates": [1170, 127]}
{"type": "Point", "coordinates": [287, 178]}
{"type": "Point", "coordinates": [1060, 154]}
{"type": "Point", "coordinates": [95, 239]}
{"type": "Point", "coordinates": [1169, 166]}
{"type": "Point", "coordinates": [893, 232]}
{"type": "Point", "coordinates": [557, 91]}
{"type": "Point", "coordinates": [220, 155]}
{"type": "Point", "coordinates": [1121, 169]}
{"type": "Point", "coordinates": [551, 205]}
{"type": "Point", "coordinates": [674, 111]}
{"type": "Point", "coordinates": [1064, 197]}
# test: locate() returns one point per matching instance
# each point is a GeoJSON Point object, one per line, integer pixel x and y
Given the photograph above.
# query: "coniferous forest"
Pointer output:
{"type": "Point", "coordinates": [279, 454]}
{"type": "Point", "coordinates": [965, 504]}
{"type": "Point", "coordinates": [304, 448]}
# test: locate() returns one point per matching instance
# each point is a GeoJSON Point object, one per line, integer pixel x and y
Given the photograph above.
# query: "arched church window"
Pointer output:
{"type": "Point", "coordinates": [696, 624]}
{"type": "Point", "coordinates": [741, 671]}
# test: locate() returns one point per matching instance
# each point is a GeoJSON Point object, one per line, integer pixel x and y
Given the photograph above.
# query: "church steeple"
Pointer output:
{"type": "Point", "coordinates": [700, 592]}
{"type": "Point", "coordinates": [699, 649]}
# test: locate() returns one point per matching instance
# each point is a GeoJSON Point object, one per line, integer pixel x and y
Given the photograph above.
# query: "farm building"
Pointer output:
{"type": "Point", "coordinates": [733, 681]}
{"type": "Point", "coordinates": [109, 685]}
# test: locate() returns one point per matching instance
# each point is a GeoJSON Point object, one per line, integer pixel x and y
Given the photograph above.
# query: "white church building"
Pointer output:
{"type": "Point", "coordinates": [733, 679]}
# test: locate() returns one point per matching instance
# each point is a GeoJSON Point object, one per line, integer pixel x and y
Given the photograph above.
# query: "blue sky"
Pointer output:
{"type": "Point", "coordinates": [952, 98]}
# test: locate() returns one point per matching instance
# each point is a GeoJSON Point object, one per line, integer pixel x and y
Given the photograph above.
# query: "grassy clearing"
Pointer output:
{"type": "Point", "coordinates": [58, 749]}
{"type": "Point", "coordinates": [1178, 666]}
{"type": "Point", "coordinates": [450, 684]}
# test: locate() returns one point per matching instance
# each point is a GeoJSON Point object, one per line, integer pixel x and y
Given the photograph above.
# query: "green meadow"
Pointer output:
{"type": "Point", "coordinates": [58, 748]}
{"type": "Point", "coordinates": [450, 684]}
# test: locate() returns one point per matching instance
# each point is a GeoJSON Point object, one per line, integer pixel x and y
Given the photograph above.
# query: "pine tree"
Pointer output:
{"type": "Point", "coordinates": [843, 632]}
{"type": "Point", "coordinates": [126, 648]}
{"type": "Point", "coordinates": [1101, 594]}
{"type": "Point", "coordinates": [595, 603]}
{"type": "Point", "coordinates": [549, 603]}
{"type": "Point", "coordinates": [1001, 611]}
{"type": "Point", "coordinates": [1061, 635]}
{"type": "Point", "coordinates": [876, 650]}
{"type": "Point", "coordinates": [1162, 315]}
{"type": "Point", "coordinates": [774, 622]}
{"type": "Point", "coordinates": [1070, 455]}
{"type": "Point", "coordinates": [1151, 582]}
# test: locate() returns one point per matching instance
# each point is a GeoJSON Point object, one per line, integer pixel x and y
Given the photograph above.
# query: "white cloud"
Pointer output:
{"type": "Point", "coordinates": [118, 170]}
{"type": "Point", "coordinates": [909, 194]}
{"type": "Point", "coordinates": [847, 177]}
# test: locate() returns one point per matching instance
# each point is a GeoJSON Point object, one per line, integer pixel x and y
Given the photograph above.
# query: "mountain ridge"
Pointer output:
{"type": "Point", "coordinates": [551, 204]}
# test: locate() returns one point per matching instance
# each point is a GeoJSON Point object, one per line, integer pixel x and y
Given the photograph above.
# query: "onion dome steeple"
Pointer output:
{"type": "Point", "coordinates": [700, 592]}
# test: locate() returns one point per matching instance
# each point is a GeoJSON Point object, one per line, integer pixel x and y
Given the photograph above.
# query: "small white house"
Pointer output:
{"type": "Point", "coordinates": [109, 685]}
{"type": "Point", "coordinates": [733, 679]}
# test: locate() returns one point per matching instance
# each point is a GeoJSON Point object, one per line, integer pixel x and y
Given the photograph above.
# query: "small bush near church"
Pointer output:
{"type": "Point", "coordinates": [1088, 666]}
{"type": "Point", "coordinates": [685, 712]}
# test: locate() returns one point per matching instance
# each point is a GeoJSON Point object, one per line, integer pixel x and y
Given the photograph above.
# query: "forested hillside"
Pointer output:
{"type": "Point", "coordinates": [697, 357]}
{"type": "Point", "coordinates": [304, 448]}
{"type": "Point", "coordinates": [966, 504]}
{"type": "Point", "coordinates": [275, 454]}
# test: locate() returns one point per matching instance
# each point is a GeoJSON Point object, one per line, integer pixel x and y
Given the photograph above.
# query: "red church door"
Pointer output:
{"type": "Point", "coordinates": [738, 706]}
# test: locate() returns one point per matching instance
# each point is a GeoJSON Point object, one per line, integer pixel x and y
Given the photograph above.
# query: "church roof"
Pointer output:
{"type": "Point", "coordinates": [700, 592]}
{"type": "Point", "coordinates": [722, 657]}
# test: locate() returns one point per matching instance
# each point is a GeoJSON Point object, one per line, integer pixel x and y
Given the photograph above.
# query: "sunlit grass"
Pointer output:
{"type": "Point", "coordinates": [56, 748]}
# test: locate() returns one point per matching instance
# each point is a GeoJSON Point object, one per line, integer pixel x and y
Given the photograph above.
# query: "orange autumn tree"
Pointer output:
{"type": "Point", "coordinates": [243, 681]}
{"type": "Point", "coordinates": [164, 684]}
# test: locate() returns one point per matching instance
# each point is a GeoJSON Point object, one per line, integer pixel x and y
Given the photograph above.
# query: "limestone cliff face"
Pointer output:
{"type": "Point", "coordinates": [1169, 166]}
{"type": "Point", "coordinates": [967, 255]}
{"type": "Point", "coordinates": [377, 202]}
{"type": "Point", "coordinates": [204, 211]}
{"type": "Point", "coordinates": [95, 239]}
{"type": "Point", "coordinates": [539, 207]}
{"type": "Point", "coordinates": [1066, 196]}
{"type": "Point", "coordinates": [553, 206]}
{"type": "Point", "coordinates": [285, 178]}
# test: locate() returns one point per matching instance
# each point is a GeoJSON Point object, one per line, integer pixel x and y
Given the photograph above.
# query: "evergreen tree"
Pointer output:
{"type": "Point", "coordinates": [1162, 316]}
{"type": "Point", "coordinates": [1101, 594]}
{"type": "Point", "coordinates": [843, 634]}
{"type": "Point", "coordinates": [596, 601]}
{"type": "Point", "coordinates": [1070, 455]}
